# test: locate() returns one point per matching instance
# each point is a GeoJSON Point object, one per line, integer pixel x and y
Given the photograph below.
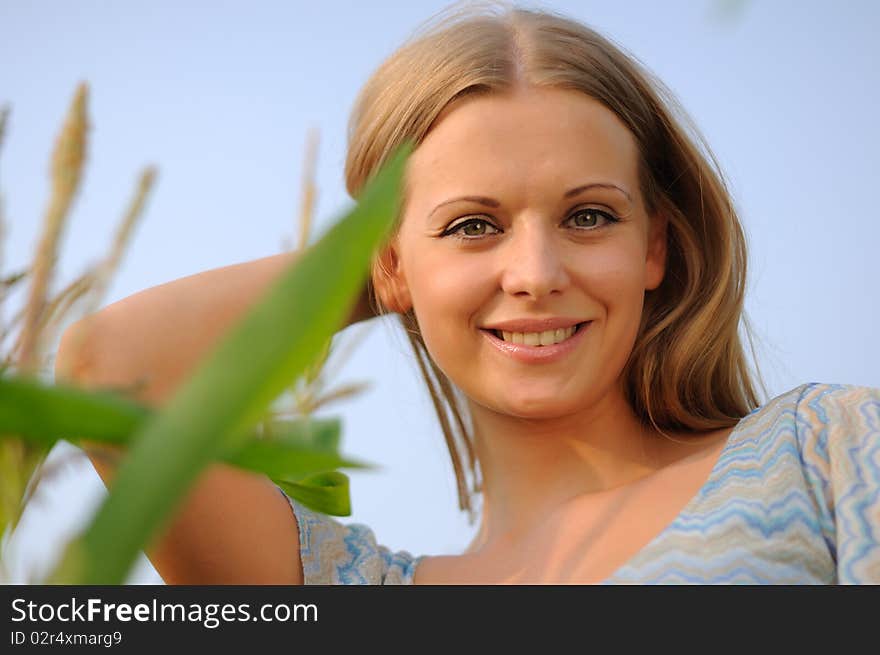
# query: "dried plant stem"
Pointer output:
{"type": "Point", "coordinates": [58, 306]}
{"type": "Point", "coordinates": [331, 368]}
{"type": "Point", "coordinates": [122, 238]}
{"type": "Point", "coordinates": [313, 371]}
{"type": "Point", "coordinates": [309, 190]}
{"type": "Point", "coordinates": [6, 285]}
{"type": "Point", "coordinates": [309, 394]}
{"type": "Point", "coordinates": [340, 392]}
{"type": "Point", "coordinates": [18, 460]}
{"type": "Point", "coordinates": [52, 468]}
{"type": "Point", "coordinates": [67, 166]}
{"type": "Point", "coordinates": [4, 118]}
{"type": "Point", "coordinates": [93, 285]}
{"type": "Point", "coordinates": [311, 383]}
{"type": "Point", "coordinates": [13, 278]}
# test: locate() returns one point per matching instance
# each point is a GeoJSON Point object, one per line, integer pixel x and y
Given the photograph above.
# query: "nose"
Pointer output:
{"type": "Point", "coordinates": [533, 265]}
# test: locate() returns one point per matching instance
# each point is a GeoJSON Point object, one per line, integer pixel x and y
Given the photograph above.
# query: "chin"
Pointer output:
{"type": "Point", "coordinates": [536, 407]}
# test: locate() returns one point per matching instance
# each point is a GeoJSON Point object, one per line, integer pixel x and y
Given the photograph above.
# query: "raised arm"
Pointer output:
{"type": "Point", "coordinates": [234, 527]}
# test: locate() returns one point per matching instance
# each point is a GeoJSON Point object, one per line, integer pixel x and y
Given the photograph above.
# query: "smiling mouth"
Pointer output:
{"type": "Point", "coordinates": [538, 339]}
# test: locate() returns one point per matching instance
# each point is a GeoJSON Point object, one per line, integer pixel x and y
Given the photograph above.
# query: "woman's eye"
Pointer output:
{"type": "Point", "coordinates": [592, 218]}
{"type": "Point", "coordinates": [472, 229]}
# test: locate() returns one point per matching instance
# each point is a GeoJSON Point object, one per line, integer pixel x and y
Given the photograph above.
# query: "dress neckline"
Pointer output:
{"type": "Point", "coordinates": [688, 507]}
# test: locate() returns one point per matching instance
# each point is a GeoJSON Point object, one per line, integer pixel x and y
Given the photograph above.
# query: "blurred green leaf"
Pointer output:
{"type": "Point", "coordinates": [212, 413]}
{"type": "Point", "coordinates": [320, 434]}
{"type": "Point", "coordinates": [306, 447]}
{"type": "Point", "coordinates": [45, 414]}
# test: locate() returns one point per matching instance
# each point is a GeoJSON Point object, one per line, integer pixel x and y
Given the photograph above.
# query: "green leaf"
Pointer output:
{"type": "Point", "coordinates": [261, 356]}
{"type": "Point", "coordinates": [45, 414]}
{"type": "Point", "coordinates": [320, 434]}
{"type": "Point", "coordinates": [287, 457]}
{"type": "Point", "coordinates": [326, 492]}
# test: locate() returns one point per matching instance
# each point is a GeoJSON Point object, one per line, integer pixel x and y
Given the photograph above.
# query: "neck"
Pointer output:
{"type": "Point", "coordinates": [533, 467]}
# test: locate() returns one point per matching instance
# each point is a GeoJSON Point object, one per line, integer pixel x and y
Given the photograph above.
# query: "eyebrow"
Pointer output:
{"type": "Point", "coordinates": [491, 202]}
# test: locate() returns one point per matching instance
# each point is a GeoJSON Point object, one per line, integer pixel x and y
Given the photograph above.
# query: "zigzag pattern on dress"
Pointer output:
{"type": "Point", "coordinates": [793, 499]}
{"type": "Point", "coordinates": [333, 553]}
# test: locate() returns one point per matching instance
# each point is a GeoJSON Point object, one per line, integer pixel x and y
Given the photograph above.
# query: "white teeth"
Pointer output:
{"type": "Point", "coordinates": [546, 338]}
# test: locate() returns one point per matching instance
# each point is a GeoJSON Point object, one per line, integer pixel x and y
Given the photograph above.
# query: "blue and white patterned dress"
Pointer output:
{"type": "Point", "coordinates": [794, 498]}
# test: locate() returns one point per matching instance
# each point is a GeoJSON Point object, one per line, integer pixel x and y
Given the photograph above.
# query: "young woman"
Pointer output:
{"type": "Point", "coordinates": [570, 271]}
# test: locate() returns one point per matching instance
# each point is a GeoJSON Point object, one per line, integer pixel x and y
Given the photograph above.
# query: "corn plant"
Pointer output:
{"type": "Point", "coordinates": [222, 413]}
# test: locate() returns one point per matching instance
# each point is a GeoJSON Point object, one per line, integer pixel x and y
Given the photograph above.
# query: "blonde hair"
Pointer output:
{"type": "Point", "coordinates": [687, 369]}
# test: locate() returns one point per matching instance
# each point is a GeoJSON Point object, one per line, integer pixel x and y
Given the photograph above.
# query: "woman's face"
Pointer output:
{"type": "Point", "coordinates": [523, 207]}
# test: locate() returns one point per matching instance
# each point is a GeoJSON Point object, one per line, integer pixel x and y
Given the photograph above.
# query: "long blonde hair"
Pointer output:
{"type": "Point", "coordinates": [687, 369]}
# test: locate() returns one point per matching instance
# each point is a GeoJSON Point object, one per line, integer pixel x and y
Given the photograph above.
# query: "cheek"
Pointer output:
{"type": "Point", "coordinates": [613, 278]}
{"type": "Point", "coordinates": [613, 275]}
{"type": "Point", "coordinates": [446, 296]}
{"type": "Point", "coordinates": [443, 285]}
{"type": "Point", "coordinates": [617, 283]}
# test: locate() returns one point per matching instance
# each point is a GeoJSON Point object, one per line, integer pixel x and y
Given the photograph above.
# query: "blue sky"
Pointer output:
{"type": "Point", "coordinates": [221, 95]}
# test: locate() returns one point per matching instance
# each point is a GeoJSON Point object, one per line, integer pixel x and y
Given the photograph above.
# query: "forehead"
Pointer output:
{"type": "Point", "coordinates": [528, 141]}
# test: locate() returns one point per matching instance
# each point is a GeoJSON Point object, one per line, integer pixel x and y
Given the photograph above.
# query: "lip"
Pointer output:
{"type": "Point", "coordinates": [538, 354]}
{"type": "Point", "coordinates": [534, 324]}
